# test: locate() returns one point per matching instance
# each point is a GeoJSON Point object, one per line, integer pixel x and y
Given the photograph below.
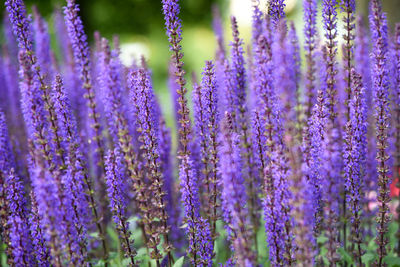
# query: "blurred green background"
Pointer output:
{"type": "Point", "coordinates": [140, 26]}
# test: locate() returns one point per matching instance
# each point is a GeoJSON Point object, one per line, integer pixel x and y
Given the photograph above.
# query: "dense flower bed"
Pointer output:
{"type": "Point", "coordinates": [287, 158]}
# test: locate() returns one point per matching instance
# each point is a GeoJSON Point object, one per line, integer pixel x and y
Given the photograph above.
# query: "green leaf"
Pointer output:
{"type": "Point", "coordinates": [179, 262]}
{"type": "Point", "coordinates": [393, 228]}
{"type": "Point", "coordinates": [345, 256]}
{"type": "Point", "coordinates": [392, 261]}
{"type": "Point", "coordinates": [322, 239]}
{"type": "Point", "coordinates": [142, 255]}
{"type": "Point", "coordinates": [372, 246]}
{"type": "Point", "coordinates": [368, 258]}
{"type": "Point", "coordinates": [100, 263]}
{"type": "Point", "coordinates": [95, 235]}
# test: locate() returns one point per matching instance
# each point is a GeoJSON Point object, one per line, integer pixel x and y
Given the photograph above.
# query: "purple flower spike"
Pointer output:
{"type": "Point", "coordinates": [284, 72]}
{"type": "Point", "coordinates": [173, 208]}
{"type": "Point", "coordinates": [276, 9]}
{"type": "Point", "coordinates": [316, 172]}
{"type": "Point", "coordinates": [354, 160]}
{"type": "Point", "coordinates": [20, 238]}
{"type": "Point", "coordinates": [118, 204]}
{"type": "Point", "coordinates": [6, 163]}
{"type": "Point", "coordinates": [6, 156]}
{"type": "Point", "coordinates": [111, 86]}
{"type": "Point", "coordinates": [310, 34]}
{"type": "Point", "coordinates": [233, 195]}
{"type": "Point", "coordinates": [238, 71]}
{"type": "Point", "coordinates": [81, 51]}
{"type": "Point", "coordinates": [173, 27]}
{"type": "Point", "coordinates": [32, 104]}
{"type": "Point", "coordinates": [362, 57]}
{"type": "Point", "coordinates": [41, 251]}
{"type": "Point", "coordinates": [209, 93]}
{"type": "Point", "coordinates": [148, 126]}
{"type": "Point", "coordinates": [333, 138]}
{"type": "Point", "coordinates": [239, 113]}
{"type": "Point", "coordinates": [396, 113]}
{"type": "Point", "coordinates": [197, 230]}
{"type": "Point", "coordinates": [294, 52]}
{"type": "Point", "coordinates": [380, 86]}
{"type": "Point", "coordinates": [205, 101]}
{"type": "Point", "coordinates": [42, 44]}
{"type": "Point", "coordinates": [349, 7]}
{"type": "Point", "coordinates": [21, 23]}
{"type": "Point", "coordinates": [257, 21]}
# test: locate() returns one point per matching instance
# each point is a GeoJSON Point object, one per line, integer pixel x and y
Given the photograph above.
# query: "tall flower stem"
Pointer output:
{"type": "Point", "coordinates": [173, 25]}
{"type": "Point", "coordinates": [349, 25]}
{"type": "Point", "coordinates": [82, 56]}
{"type": "Point", "coordinates": [310, 31]}
{"type": "Point", "coordinates": [397, 122]}
{"type": "Point", "coordinates": [148, 128]}
{"type": "Point", "coordinates": [380, 75]}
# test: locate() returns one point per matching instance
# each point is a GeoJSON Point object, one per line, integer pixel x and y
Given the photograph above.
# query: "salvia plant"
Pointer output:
{"type": "Point", "coordinates": [289, 157]}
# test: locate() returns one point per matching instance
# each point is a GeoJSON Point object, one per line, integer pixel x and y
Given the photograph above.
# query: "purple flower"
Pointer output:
{"type": "Point", "coordinates": [42, 45]}
{"type": "Point", "coordinates": [362, 57]}
{"type": "Point", "coordinates": [118, 203]}
{"type": "Point", "coordinates": [316, 171]}
{"type": "Point", "coordinates": [172, 206]}
{"type": "Point", "coordinates": [239, 112]}
{"type": "Point", "coordinates": [78, 40]}
{"type": "Point", "coordinates": [276, 9]}
{"type": "Point", "coordinates": [41, 250]}
{"type": "Point", "coordinates": [284, 72]}
{"type": "Point", "coordinates": [219, 33]}
{"type": "Point", "coordinates": [111, 86]}
{"type": "Point", "coordinates": [56, 216]}
{"type": "Point", "coordinates": [380, 84]}
{"type": "Point", "coordinates": [6, 156]}
{"type": "Point", "coordinates": [10, 72]}
{"type": "Point", "coordinates": [197, 229]}
{"type": "Point", "coordinates": [233, 193]}
{"type": "Point", "coordinates": [294, 53]}
{"type": "Point", "coordinates": [349, 7]}
{"type": "Point", "coordinates": [333, 139]}
{"type": "Point", "coordinates": [257, 22]}
{"type": "Point", "coordinates": [310, 35]}
{"type": "Point", "coordinates": [173, 26]}
{"type": "Point", "coordinates": [238, 72]}
{"type": "Point", "coordinates": [275, 202]}
{"type": "Point", "coordinates": [206, 118]}
{"type": "Point", "coordinates": [173, 87]}
{"type": "Point", "coordinates": [148, 127]}
{"type": "Point", "coordinates": [329, 15]}
{"type": "Point", "coordinates": [259, 141]}
{"type": "Point", "coordinates": [19, 235]}
{"type": "Point", "coordinates": [75, 179]}
{"type": "Point", "coordinates": [21, 23]}
{"type": "Point", "coordinates": [31, 102]}
{"type": "Point", "coordinates": [6, 163]}
{"type": "Point", "coordinates": [11, 42]}
{"type": "Point", "coordinates": [396, 100]}
{"type": "Point", "coordinates": [355, 160]}
{"type": "Point", "coordinates": [202, 133]}
{"type": "Point", "coordinates": [81, 52]}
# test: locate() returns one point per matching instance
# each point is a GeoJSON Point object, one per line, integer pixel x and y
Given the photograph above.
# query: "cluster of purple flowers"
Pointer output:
{"type": "Point", "coordinates": [277, 166]}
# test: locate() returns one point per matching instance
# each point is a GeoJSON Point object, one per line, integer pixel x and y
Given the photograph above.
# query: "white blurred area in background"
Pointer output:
{"type": "Point", "coordinates": [242, 10]}
{"type": "Point", "coordinates": [132, 52]}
